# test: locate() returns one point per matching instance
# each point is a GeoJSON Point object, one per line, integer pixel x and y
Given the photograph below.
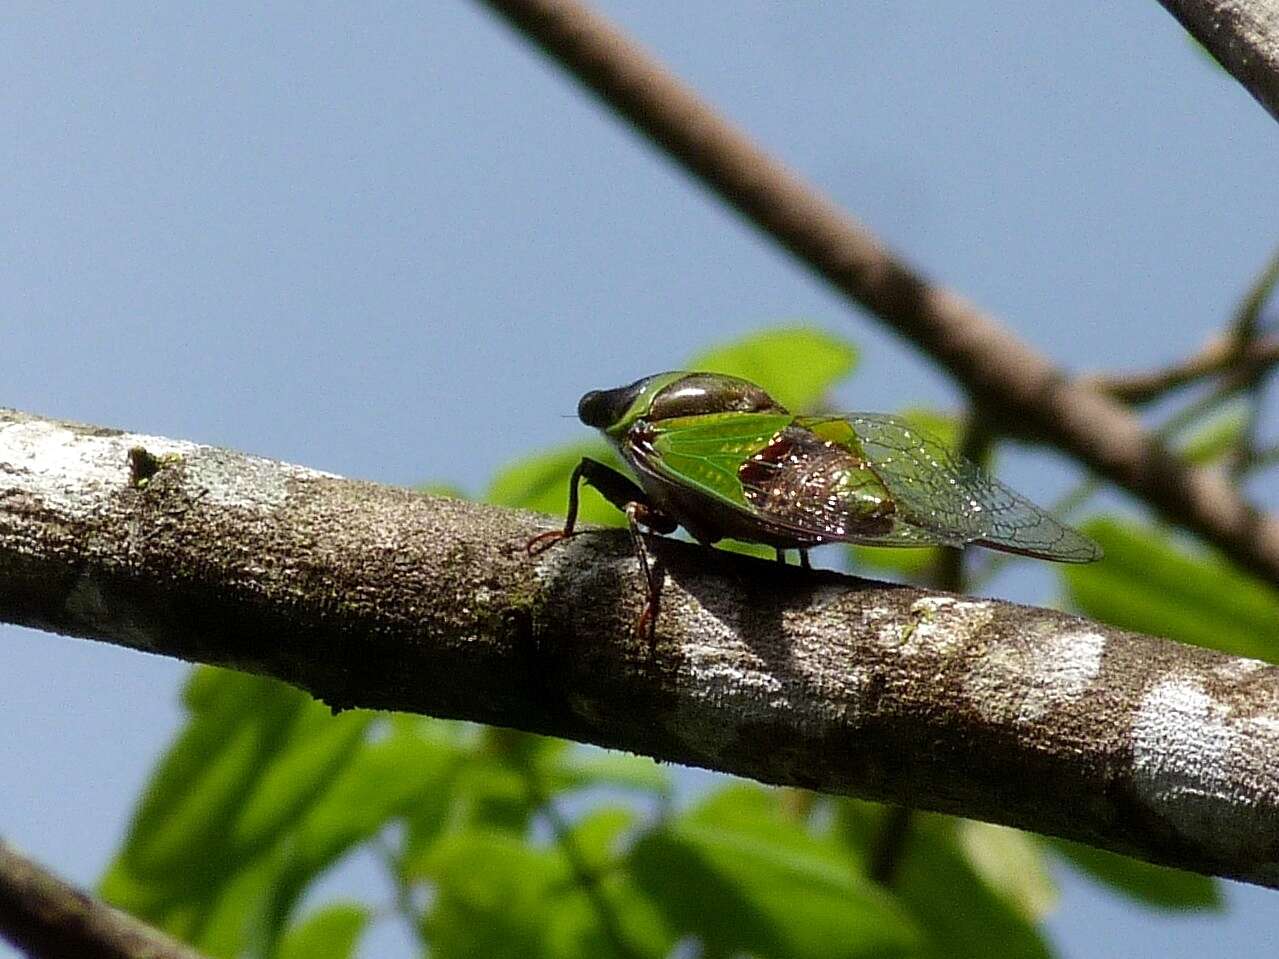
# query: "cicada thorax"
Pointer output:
{"type": "Point", "coordinates": [803, 479]}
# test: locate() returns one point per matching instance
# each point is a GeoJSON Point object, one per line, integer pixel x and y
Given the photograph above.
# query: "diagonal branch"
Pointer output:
{"type": "Point", "coordinates": [46, 917]}
{"type": "Point", "coordinates": [1005, 377]}
{"type": "Point", "coordinates": [373, 596]}
{"type": "Point", "coordinates": [1243, 36]}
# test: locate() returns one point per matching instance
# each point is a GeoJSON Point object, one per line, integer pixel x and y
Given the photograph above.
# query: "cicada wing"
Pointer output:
{"type": "Point", "coordinates": [784, 477]}
{"type": "Point", "coordinates": [941, 493]}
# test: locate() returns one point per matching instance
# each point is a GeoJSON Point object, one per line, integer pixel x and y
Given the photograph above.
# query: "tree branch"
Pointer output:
{"type": "Point", "coordinates": [373, 596]}
{"type": "Point", "coordinates": [1221, 355]}
{"type": "Point", "coordinates": [46, 917]}
{"type": "Point", "coordinates": [1243, 36]}
{"type": "Point", "coordinates": [1005, 376]}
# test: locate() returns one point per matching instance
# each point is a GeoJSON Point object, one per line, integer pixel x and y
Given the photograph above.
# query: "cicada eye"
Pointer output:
{"type": "Point", "coordinates": [606, 408]}
{"type": "Point", "coordinates": [701, 393]}
{"type": "Point", "coordinates": [598, 408]}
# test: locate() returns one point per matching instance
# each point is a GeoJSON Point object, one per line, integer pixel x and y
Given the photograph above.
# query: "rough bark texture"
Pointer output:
{"type": "Point", "coordinates": [1014, 385]}
{"type": "Point", "coordinates": [373, 596]}
{"type": "Point", "coordinates": [1243, 36]}
{"type": "Point", "coordinates": [44, 916]}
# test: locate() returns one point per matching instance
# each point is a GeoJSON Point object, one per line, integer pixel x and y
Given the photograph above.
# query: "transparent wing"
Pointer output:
{"type": "Point", "coordinates": [943, 495]}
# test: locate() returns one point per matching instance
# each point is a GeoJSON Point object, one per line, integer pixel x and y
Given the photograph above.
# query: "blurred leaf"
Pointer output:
{"type": "Point", "coordinates": [1150, 584]}
{"type": "Point", "coordinates": [1011, 864]}
{"type": "Point", "coordinates": [328, 933]}
{"type": "Point", "coordinates": [232, 920]}
{"type": "Point", "coordinates": [1212, 440]}
{"type": "Point", "coordinates": [585, 767]}
{"type": "Point", "coordinates": [319, 745]}
{"type": "Point", "coordinates": [384, 780]}
{"type": "Point", "coordinates": [747, 549]}
{"type": "Point", "coordinates": [905, 561]}
{"type": "Point", "coordinates": [201, 782]}
{"type": "Point", "coordinates": [445, 490]}
{"type": "Point", "coordinates": [540, 483]}
{"type": "Point", "coordinates": [1157, 886]}
{"type": "Point", "coordinates": [492, 897]}
{"type": "Point", "coordinates": [797, 365]}
{"type": "Point", "coordinates": [966, 911]}
{"type": "Point", "coordinates": [744, 878]}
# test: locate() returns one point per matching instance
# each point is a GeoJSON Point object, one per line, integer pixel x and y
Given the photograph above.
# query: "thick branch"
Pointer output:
{"type": "Point", "coordinates": [1243, 36]}
{"type": "Point", "coordinates": [1005, 376]}
{"type": "Point", "coordinates": [46, 917]}
{"type": "Point", "coordinates": [374, 596]}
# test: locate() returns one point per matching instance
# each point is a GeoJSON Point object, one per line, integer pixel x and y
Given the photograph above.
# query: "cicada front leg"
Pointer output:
{"type": "Point", "coordinates": [640, 512]}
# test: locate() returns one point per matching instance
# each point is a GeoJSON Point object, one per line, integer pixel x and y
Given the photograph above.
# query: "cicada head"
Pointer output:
{"type": "Point", "coordinates": [666, 396]}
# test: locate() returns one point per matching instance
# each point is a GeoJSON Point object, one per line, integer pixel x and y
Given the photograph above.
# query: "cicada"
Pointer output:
{"type": "Point", "coordinates": [718, 456]}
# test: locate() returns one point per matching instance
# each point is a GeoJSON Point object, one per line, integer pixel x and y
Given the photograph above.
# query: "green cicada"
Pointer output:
{"type": "Point", "coordinates": [718, 456]}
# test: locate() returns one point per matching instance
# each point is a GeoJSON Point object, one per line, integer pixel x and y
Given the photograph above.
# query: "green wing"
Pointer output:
{"type": "Point", "coordinates": [706, 452]}
{"type": "Point", "coordinates": [787, 478]}
{"type": "Point", "coordinates": [941, 497]}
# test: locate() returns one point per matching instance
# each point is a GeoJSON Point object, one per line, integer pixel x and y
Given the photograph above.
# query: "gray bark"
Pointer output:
{"type": "Point", "coordinates": [373, 596]}
{"type": "Point", "coordinates": [1243, 36]}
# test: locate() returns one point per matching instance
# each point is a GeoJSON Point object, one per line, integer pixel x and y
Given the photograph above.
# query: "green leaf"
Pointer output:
{"type": "Point", "coordinates": [231, 921]}
{"type": "Point", "coordinates": [1150, 885]}
{"type": "Point", "coordinates": [202, 781]}
{"type": "Point", "coordinates": [540, 483]}
{"type": "Point", "coordinates": [385, 780]}
{"type": "Point", "coordinates": [967, 901]}
{"type": "Point", "coordinates": [1212, 440]}
{"type": "Point", "coordinates": [328, 933]}
{"type": "Point", "coordinates": [319, 745]}
{"type": "Point", "coordinates": [796, 365]}
{"type": "Point", "coordinates": [492, 892]}
{"type": "Point", "coordinates": [584, 767]}
{"type": "Point", "coordinates": [1010, 862]}
{"type": "Point", "coordinates": [497, 896]}
{"type": "Point", "coordinates": [1150, 584]}
{"type": "Point", "coordinates": [444, 490]}
{"type": "Point", "coordinates": [744, 878]}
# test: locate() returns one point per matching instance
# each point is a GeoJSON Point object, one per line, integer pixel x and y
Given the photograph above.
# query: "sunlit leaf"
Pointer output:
{"type": "Point", "coordinates": [201, 783]}
{"type": "Point", "coordinates": [1156, 886]}
{"type": "Point", "coordinates": [744, 878]}
{"type": "Point", "coordinates": [584, 767]}
{"type": "Point", "coordinates": [445, 490]}
{"type": "Point", "coordinates": [1212, 440]}
{"type": "Point", "coordinates": [328, 933]}
{"type": "Point", "coordinates": [1011, 863]}
{"type": "Point", "coordinates": [319, 745]}
{"type": "Point", "coordinates": [493, 895]}
{"type": "Point", "coordinates": [965, 910]}
{"type": "Point", "coordinates": [1151, 584]}
{"type": "Point", "coordinates": [540, 483]}
{"type": "Point", "coordinates": [797, 365]}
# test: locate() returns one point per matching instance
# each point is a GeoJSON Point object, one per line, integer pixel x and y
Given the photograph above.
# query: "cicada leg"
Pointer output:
{"type": "Point", "coordinates": [640, 511]}
{"type": "Point", "coordinates": [614, 487]}
{"type": "Point", "coordinates": [803, 556]}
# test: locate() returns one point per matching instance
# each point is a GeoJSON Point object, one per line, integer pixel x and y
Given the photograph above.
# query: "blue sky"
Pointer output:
{"type": "Point", "coordinates": [400, 244]}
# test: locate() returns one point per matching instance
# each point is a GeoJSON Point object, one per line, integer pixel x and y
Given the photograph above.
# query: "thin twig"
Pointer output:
{"type": "Point", "coordinates": [1220, 355]}
{"type": "Point", "coordinates": [1247, 329]}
